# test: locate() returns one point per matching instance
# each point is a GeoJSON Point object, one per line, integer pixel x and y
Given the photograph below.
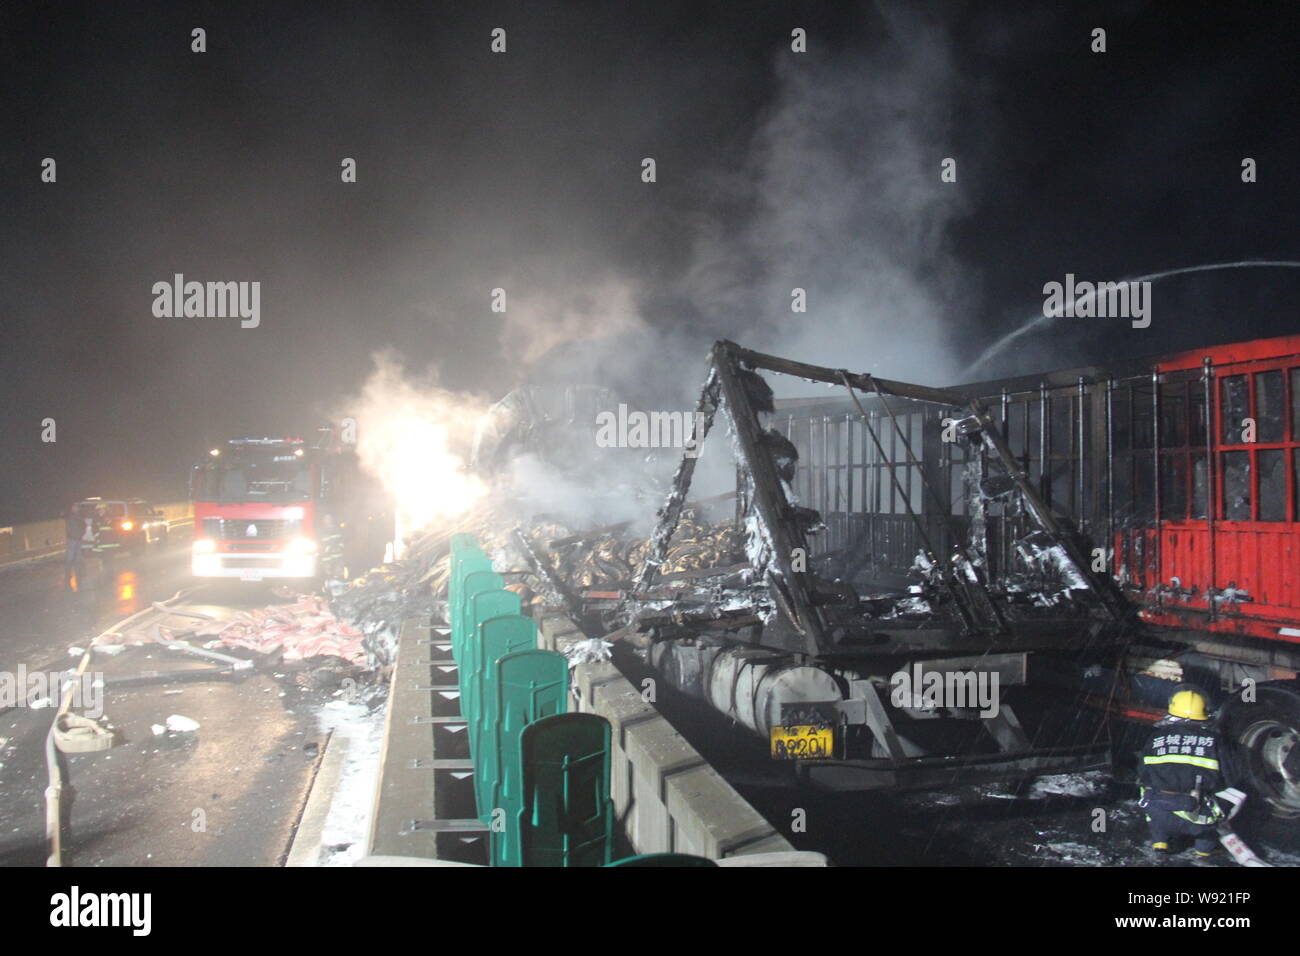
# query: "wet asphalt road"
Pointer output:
{"type": "Point", "coordinates": [231, 793]}
{"type": "Point", "coordinates": [228, 794]}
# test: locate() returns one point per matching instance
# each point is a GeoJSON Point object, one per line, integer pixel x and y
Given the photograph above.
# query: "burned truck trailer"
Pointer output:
{"type": "Point", "coordinates": [864, 683]}
{"type": "Point", "coordinates": [1181, 474]}
{"type": "Point", "coordinates": [1078, 541]}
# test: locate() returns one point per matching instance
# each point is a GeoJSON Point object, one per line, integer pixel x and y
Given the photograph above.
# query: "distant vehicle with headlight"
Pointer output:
{"type": "Point", "coordinates": [124, 524]}
{"type": "Point", "coordinates": [260, 506]}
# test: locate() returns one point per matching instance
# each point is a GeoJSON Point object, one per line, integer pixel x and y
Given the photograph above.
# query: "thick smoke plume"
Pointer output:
{"type": "Point", "coordinates": [839, 194]}
{"type": "Point", "coordinates": [844, 180]}
{"type": "Point", "coordinates": [555, 314]}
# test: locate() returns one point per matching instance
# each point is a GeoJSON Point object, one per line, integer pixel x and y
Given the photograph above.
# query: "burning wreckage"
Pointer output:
{"type": "Point", "coordinates": [930, 619]}
{"type": "Point", "coordinates": [802, 629]}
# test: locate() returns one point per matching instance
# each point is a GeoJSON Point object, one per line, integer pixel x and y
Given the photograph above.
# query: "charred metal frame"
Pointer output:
{"type": "Point", "coordinates": [783, 537]}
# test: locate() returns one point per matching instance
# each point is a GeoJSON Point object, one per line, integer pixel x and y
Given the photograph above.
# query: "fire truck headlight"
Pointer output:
{"type": "Point", "coordinates": [204, 546]}
{"type": "Point", "coordinates": [301, 546]}
{"type": "Point", "coordinates": [127, 525]}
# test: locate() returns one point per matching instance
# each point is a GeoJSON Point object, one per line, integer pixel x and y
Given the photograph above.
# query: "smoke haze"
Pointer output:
{"type": "Point", "coordinates": [522, 171]}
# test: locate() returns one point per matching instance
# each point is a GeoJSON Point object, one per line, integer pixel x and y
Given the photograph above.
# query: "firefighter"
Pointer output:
{"type": "Point", "coordinates": [331, 548]}
{"type": "Point", "coordinates": [103, 542]}
{"type": "Point", "coordinates": [1181, 776]}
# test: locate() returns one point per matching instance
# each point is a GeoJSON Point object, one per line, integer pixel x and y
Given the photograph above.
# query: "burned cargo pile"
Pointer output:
{"type": "Point", "coordinates": [414, 585]}
{"type": "Point", "coordinates": [557, 566]}
{"type": "Point", "coordinates": [378, 601]}
{"type": "Point", "coordinates": [610, 557]}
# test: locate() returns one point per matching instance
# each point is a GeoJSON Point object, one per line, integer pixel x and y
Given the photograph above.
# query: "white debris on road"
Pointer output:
{"type": "Point", "coordinates": [1079, 854]}
{"type": "Point", "coordinates": [1085, 784]}
{"type": "Point", "coordinates": [347, 825]}
{"type": "Point", "coordinates": [180, 724]}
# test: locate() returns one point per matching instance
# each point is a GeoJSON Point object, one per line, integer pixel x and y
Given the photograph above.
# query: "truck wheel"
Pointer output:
{"type": "Point", "coordinates": [1265, 736]}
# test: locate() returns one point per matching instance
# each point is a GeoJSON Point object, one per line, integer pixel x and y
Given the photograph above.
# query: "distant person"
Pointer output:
{"type": "Point", "coordinates": [1181, 773]}
{"type": "Point", "coordinates": [80, 533]}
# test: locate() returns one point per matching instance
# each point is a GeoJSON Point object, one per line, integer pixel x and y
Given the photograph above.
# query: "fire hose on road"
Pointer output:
{"type": "Point", "coordinates": [70, 733]}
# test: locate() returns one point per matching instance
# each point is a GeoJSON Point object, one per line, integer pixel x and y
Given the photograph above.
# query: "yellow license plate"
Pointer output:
{"type": "Point", "coordinates": [803, 742]}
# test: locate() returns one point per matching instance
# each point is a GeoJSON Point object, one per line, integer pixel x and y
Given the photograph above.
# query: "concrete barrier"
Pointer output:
{"type": "Point", "coordinates": [32, 536]}
{"type": "Point", "coordinates": [423, 779]}
{"type": "Point", "coordinates": [667, 797]}
{"type": "Point", "coordinates": [36, 540]}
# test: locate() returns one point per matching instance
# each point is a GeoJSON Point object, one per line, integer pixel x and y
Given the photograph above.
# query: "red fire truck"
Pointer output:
{"type": "Point", "coordinates": [269, 507]}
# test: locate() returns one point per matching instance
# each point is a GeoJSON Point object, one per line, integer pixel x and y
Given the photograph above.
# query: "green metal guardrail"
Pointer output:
{"type": "Point", "coordinates": [483, 607]}
{"type": "Point", "coordinates": [531, 685]}
{"type": "Point", "coordinates": [567, 817]}
{"type": "Point", "coordinates": [541, 776]}
{"type": "Point", "coordinates": [497, 637]}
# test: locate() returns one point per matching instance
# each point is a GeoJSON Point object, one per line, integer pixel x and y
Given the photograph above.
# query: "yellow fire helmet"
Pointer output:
{"type": "Point", "coordinates": [1188, 704]}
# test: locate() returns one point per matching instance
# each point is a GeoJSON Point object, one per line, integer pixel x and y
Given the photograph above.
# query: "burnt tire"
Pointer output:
{"type": "Point", "coordinates": [1265, 741]}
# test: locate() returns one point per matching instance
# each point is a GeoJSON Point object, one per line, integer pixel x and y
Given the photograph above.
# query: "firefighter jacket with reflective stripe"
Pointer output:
{"type": "Point", "coordinates": [1178, 752]}
{"type": "Point", "coordinates": [332, 545]}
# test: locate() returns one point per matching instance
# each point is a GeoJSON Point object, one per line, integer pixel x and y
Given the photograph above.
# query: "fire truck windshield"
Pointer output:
{"type": "Point", "coordinates": [264, 477]}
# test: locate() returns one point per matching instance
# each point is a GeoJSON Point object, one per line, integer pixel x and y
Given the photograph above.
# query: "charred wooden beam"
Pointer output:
{"type": "Point", "coordinates": [712, 616]}
{"type": "Point", "coordinates": [862, 382]}
{"type": "Point", "coordinates": [790, 588]}
{"type": "Point", "coordinates": [671, 512]}
{"type": "Point", "coordinates": [571, 539]}
{"type": "Point", "coordinates": [547, 573]}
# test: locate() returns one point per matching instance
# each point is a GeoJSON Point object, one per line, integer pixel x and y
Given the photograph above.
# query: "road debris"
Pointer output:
{"type": "Point", "coordinates": [180, 724]}
{"type": "Point", "coordinates": [377, 602]}
{"type": "Point", "coordinates": [593, 650]}
{"type": "Point", "coordinates": [307, 628]}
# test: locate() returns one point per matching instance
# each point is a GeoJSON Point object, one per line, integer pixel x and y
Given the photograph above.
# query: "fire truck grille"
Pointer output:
{"type": "Point", "coordinates": [234, 529]}
{"type": "Point", "coordinates": [264, 563]}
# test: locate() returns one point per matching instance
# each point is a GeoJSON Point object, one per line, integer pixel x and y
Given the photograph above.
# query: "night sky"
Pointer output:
{"type": "Point", "coordinates": [522, 170]}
